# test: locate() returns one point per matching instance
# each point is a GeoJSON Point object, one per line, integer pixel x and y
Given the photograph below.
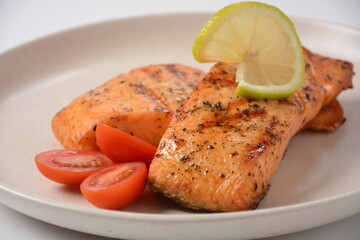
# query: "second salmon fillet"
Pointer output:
{"type": "Point", "coordinates": [140, 103]}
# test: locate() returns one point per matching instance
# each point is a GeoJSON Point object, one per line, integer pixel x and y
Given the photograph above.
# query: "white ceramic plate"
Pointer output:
{"type": "Point", "coordinates": [317, 183]}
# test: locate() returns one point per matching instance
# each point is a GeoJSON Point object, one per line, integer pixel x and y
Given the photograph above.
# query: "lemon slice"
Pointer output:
{"type": "Point", "coordinates": [264, 43]}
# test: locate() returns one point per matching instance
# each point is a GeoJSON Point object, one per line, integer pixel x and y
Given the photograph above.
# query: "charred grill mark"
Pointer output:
{"type": "Point", "coordinates": [251, 112]}
{"type": "Point", "coordinates": [218, 80]}
{"type": "Point", "coordinates": [222, 118]}
{"type": "Point", "coordinates": [213, 107]}
{"type": "Point", "coordinates": [96, 97]}
{"type": "Point", "coordinates": [156, 75]}
{"type": "Point", "coordinates": [172, 69]}
{"type": "Point", "coordinates": [180, 114]}
{"type": "Point", "coordinates": [271, 136]}
{"type": "Point", "coordinates": [142, 90]}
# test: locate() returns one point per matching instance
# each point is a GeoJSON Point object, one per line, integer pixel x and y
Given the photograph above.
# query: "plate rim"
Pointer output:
{"type": "Point", "coordinates": [178, 216]}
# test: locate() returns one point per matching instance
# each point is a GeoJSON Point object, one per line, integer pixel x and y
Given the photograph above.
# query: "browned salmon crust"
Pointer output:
{"type": "Point", "coordinates": [220, 150]}
{"type": "Point", "coordinates": [140, 102]}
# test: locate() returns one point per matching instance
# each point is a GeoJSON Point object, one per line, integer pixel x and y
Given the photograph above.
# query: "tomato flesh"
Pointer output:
{"type": "Point", "coordinates": [70, 166]}
{"type": "Point", "coordinates": [116, 186]}
{"type": "Point", "coordinates": [122, 147]}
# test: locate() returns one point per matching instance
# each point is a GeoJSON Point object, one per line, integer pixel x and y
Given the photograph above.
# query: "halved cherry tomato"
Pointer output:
{"type": "Point", "coordinates": [116, 186]}
{"type": "Point", "coordinates": [70, 166]}
{"type": "Point", "coordinates": [122, 147]}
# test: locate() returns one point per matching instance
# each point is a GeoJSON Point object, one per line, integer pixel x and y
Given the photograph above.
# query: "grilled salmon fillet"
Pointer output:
{"type": "Point", "coordinates": [140, 103]}
{"type": "Point", "coordinates": [220, 150]}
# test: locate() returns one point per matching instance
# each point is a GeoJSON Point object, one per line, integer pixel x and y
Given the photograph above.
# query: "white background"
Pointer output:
{"type": "Point", "coordinates": [24, 20]}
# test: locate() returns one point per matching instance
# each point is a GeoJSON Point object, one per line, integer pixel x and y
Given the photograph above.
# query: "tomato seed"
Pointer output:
{"type": "Point", "coordinates": [78, 163]}
{"type": "Point", "coordinates": [111, 177]}
{"type": "Point", "coordinates": [96, 163]}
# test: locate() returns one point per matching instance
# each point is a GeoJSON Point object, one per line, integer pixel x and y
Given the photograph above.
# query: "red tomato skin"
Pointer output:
{"type": "Point", "coordinates": [117, 195]}
{"type": "Point", "coordinates": [122, 147]}
{"type": "Point", "coordinates": [65, 175]}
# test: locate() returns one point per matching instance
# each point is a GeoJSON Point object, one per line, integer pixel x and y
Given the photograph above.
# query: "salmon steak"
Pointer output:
{"type": "Point", "coordinates": [221, 150]}
{"type": "Point", "coordinates": [140, 103]}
